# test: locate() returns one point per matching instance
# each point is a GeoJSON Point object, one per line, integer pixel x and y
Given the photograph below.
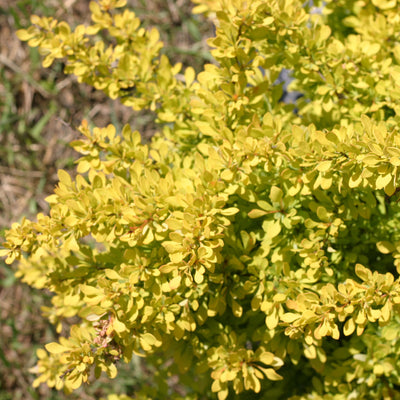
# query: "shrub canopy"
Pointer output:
{"type": "Point", "coordinates": [252, 245]}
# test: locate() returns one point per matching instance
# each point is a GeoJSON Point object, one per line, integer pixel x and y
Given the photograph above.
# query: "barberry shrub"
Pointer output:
{"type": "Point", "coordinates": [252, 245]}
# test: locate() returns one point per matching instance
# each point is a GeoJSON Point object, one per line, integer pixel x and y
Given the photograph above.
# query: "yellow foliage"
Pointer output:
{"type": "Point", "coordinates": [249, 233]}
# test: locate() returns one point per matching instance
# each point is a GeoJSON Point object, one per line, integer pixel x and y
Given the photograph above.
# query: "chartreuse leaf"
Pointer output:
{"type": "Point", "coordinates": [248, 233]}
{"type": "Point", "coordinates": [349, 327]}
{"type": "Point", "coordinates": [271, 374]}
{"type": "Point", "coordinates": [385, 247]}
{"type": "Point", "coordinates": [255, 213]}
{"type": "Point", "coordinates": [148, 341]}
{"type": "Point", "coordinates": [276, 194]}
{"type": "Point", "coordinates": [56, 348]}
{"type": "Point", "coordinates": [363, 273]}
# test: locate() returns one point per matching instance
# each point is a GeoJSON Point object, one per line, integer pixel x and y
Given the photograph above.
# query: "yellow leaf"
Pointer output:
{"type": "Point", "coordinates": [321, 330]}
{"type": "Point", "coordinates": [328, 104]}
{"type": "Point", "coordinates": [175, 282]}
{"type": "Point", "coordinates": [378, 369]}
{"type": "Point", "coordinates": [324, 166]}
{"type": "Point", "coordinates": [373, 314]}
{"type": "Point", "coordinates": [390, 188]}
{"type": "Point", "coordinates": [74, 381]}
{"type": "Point", "coordinates": [11, 256]}
{"type": "Point", "coordinates": [119, 326]}
{"type": "Point", "coordinates": [172, 247]}
{"type": "Point", "coordinates": [326, 182]}
{"type": "Point", "coordinates": [361, 318]}
{"type": "Point", "coordinates": [236, 309]}
{"type": "Point", "coordinates": [227, 175]}
{"type": "Point", "coordinates": [355, 180]}
{"type": "Point", "coordinates": [24, 34]}
{"type": "Point", "coordinates": [272, 319]}
{"type": "Point", "coordinates": [256, 213]}
{"type": "Point", "coordinates": [275, 194]}
{"type": "Point", "coordinates": [310, 352]}
{"type": "Point", "coordinates": [112, 371]}
{"type": "Point", "coordinates": [223, 394]}
{"type": "Point", "coordinates": [271, 374]}
{"type": "Point", "coordinates": [289, 317]}
{"type": "Point", "coordinates": [167, 268]}
{"type": "Point", "coordinates": [167, 116]}
{"type": "Point", "coordinates": [206, 129]}
{"type": "Point", "coordinates": [272, 228]}
{"type": "Point", "coordinates": [147, 341]}
{"type": "Point", "coordinates": [386, 311]}
{"type": "Point", "coordinates": [64, 177]}
{"type": "Point", "coordinates": [383, 180]}
{"type": "Point", "coordinates": [384, 4]}
{"type": "Point", "coordinates": [370, 160]}
{"type": "Point", "coordinates": [4, 252]}
{"type": "Point", "coordinates": [385, 247]}
{"type": "Point", "coordinates": [216, 385]}
{"type": "Point", "coordinates": [149, 236]}
{"type": "Point", "coordinates": [266, 358]}
{"type": "Point", "coordinates": [189, 76]}
{"type": "Point", "coordinates": [360, 330]}
{"type": "Point", "coordinates": [363, 273]}
{"type": "Point", "coordinates": [71, 244]}
{"type": "Point", "coordinates": [90, 290]}
{"type": "Point", "coordinates": [113, 275]}
{"type": "Point", "coordinates": [324, 33]}
{"type": "Point", "coordinates": [395, 161]}
{"type": "Point", "coordinates": [349, 327]}
{"type": "Point", "coordinates": [55, 348]}
{"type": "Point", "coordinates": [228, 375]}
{"type": "Point", "coordinates": [279, 297]}
{"type": "Point", "coordinates": [229, 211]}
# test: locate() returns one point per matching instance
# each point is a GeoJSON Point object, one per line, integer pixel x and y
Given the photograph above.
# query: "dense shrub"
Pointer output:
{"type": "Point", "coordinates": [252, 245]}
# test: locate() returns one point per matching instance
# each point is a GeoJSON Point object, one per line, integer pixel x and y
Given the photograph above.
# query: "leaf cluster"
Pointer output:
{"type": "Point", "coordinates": [249, 244]}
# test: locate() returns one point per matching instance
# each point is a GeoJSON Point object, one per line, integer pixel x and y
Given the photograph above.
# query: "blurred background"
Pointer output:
{"type": "Point", "coordinates": [40, 110]}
